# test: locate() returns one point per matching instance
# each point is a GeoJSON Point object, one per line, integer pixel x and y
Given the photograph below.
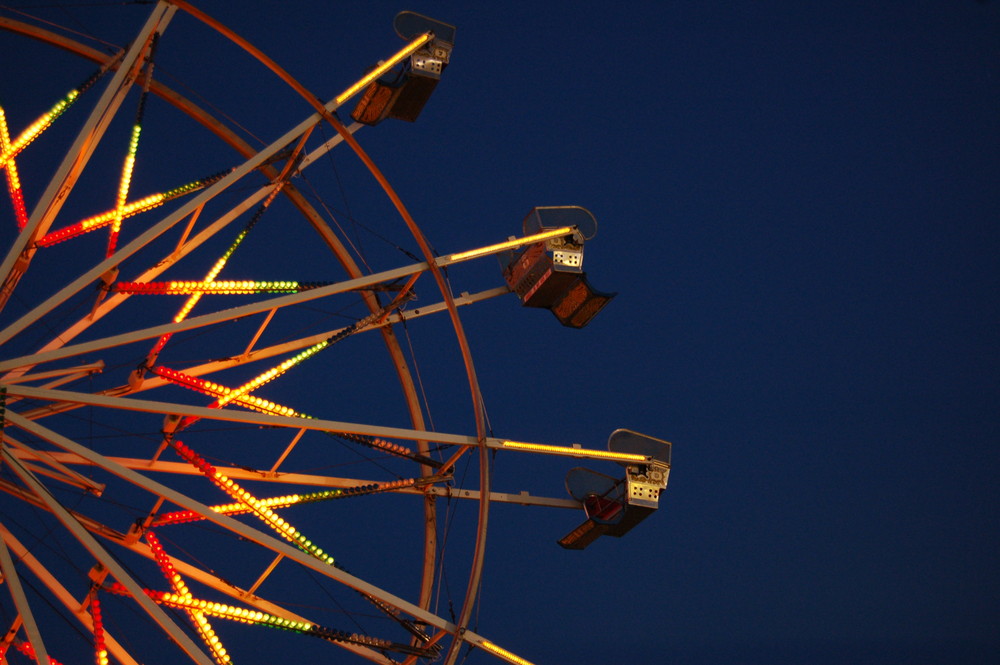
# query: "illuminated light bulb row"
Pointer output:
{"type": "Point", "coordinates": [230, 612]}
{"type": "Point", "coordinates": [186, 308]}
{"type": "Point", "coordinates": [100, 647]}
{"type": "Point", "coordinates": [166, 567]}
{"type": "Point", "coordinates": [257, 507]}
{"type": "Point", "coordinates": [218, 266]}
{"type": "Point", "coordinates": [13, 182]}
{"type": "Point", "coordinates": [29, 651]}
{"type": "Point", "coordinates": [201, 624]}
{"type": "Point", "coordinates": [182, 516]}
{"type": "Point", "coordinates": [227, 287]}
{"type": "Point", "coordinates": [503, 653]}
{"type": "Point", "coordinates": [37, 127]}
{"type": "Point", "coordinates": [272, 373]}
{"type": "Point", "coordinates": [102, 220]}
{"type": "Point", "coordinates": [254, 617]}
{"type": "Point", "coordinates": [130, 209]}
{"type": "Point", "coordinates": [123, 187]}
{"type": "Point", "coordinates": [215, 390]}
{"type": "Point", "coordinates": [195, 297]}
{"type": "Point", "coordinates": [195, 185]}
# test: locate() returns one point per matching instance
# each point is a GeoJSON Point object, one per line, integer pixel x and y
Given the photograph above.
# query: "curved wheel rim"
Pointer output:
{"type": "Point", "coordinates": [395, 352]}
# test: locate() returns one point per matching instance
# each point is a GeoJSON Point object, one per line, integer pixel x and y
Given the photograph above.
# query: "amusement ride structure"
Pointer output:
{"type": "Point", "coordinates": [176, 458]}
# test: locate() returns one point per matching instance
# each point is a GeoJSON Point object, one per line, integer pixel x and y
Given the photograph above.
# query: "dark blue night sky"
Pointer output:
{"type": "Point", "coordinates": [799, 209]}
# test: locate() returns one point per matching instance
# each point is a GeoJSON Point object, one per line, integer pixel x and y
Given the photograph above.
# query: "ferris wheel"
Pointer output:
{"type": "Point", "coordinates": [217, 437]}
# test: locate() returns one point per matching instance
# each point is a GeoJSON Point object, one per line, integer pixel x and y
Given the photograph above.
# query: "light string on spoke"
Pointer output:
{"type": "Point", "coordinates": [214, 271]}
{"type": "Point", "coordinates": [11, 149]}
{"type": "Point", "coordinates": [255, 617]}
{"type": "Point", "coordinates": [195, 614]}
{"type": "Point", "coordinates": [100, 647]}
{"type": "Point", "coordinates": [125, 181]}
{"type": "Point", "coordinates": [128, 210]}
{"type": "Point", "coordinates": [222, 287]}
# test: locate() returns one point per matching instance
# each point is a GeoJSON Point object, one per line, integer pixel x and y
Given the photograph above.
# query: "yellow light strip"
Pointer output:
{"type": "Point", "coordinates": [37, 127]}
{"type": "Point", "coordinates": [201, 624]}
{"type": "Point", "coordinates": [509, 244]}
{"type": "Point", "coordinates": [403, 53]}
{"type": "Point", "coordinates": [271, 374]}
{"type": "Point", "coordinates": [216, 269]}
{"type": "Point", "coordinates": [123, 187]}
{"type": "Point", "coordinates": [229, 611]}
{"type": "Point", "coordinates": [257, 507]}
{"type": "Point", "coordinates": [573, 452]}
{"type": "Point", "coordinates": [128, 210]}
{"type": "Point", "coordinates": [13, 182]}
{"type": "Point", "coordinates": [503, 653]}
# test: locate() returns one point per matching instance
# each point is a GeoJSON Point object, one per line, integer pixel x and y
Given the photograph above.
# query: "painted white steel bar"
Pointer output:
{"type": "Point", "coordinates": [100, 554]}
{"type": "Point", "coordinates": [79, 154]}
{"type": "Point", "coordinates": [249, 597]}
{"type": "Point", "coordinates": [75, 607]}
{"type": "Point", "coordinates": [292, 478]}
{"type": "Point", "coordinates": [189, 571]}
{"type": "Point", "coordinates": [65, 473]}
{"type": "Point", "coordinates": [79, 370]}
{"type": "Point", "coordinates": [246, 417]}
{"type": "Point", "coordinates": [21, 603]}
{"type": "Point", "coordinates": [319, 424]}
{"type": "Point", "coordinates": [209, 319]}
{"type": "Point", "coordinates": [241, 529]}
{"type": "Point", "coordinates": [304, 342]}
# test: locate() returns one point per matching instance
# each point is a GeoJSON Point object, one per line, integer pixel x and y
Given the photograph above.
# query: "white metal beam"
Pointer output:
{"type": "Point", "coordinates": [246, 417]}
{"type": "Point", "coordinates": [285, 478]}
{"type": "Point", "coordinates": [21, 603]}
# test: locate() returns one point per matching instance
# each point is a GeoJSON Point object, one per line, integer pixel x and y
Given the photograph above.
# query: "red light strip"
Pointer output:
{"type": "Point", "coordinates": [100, 648]}
{"type": "Point", "coordinates": [29, 651]}
{"type": "Point", "coordinates": [201, 624]}
{"type": "Point", "coordinates": [254, 617]}
{"type": "Point", "coordinates": [130, 209]}
{"type": "Point", "coordinates": [218, 391]}
{"type": "Point", "coordinates": [102, 220]}
{"type": "Point", "coordinates": [123, 187]}
{"type": "Point", "coordinates": [255, 505]}
{"type": "Point", "coordinates": [13, 182]}
{"type": "Point", "coordinates": [183, 516]}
